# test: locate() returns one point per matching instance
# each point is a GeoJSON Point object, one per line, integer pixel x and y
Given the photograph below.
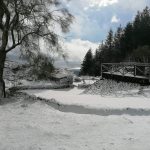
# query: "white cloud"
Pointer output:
{"type": "Point", "coordinates": [126, 4]}
{"type": "Point", "coordinates": [86, 4]}
{"type": "Point", "coordinates": [132, 5]}
{"type": "Point", "coordinates": [101, 3]}
{"type": "Point", "coordinates": [77, 48]}
{"type": "Point", "coordinates": [115, 19]}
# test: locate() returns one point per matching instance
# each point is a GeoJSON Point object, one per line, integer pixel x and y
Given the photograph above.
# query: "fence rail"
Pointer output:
{"type": "Point", "coordinates": [134, 70]}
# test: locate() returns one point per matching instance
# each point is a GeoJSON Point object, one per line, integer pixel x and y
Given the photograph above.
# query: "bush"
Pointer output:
{"type": "Point", "coordinates": [42, 67]}
{"type": "Point", "coordinates": [77, 79]}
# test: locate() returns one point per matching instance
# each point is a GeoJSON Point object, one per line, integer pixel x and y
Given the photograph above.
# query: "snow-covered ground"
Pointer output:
{"type": "Point", "coordinates": [77, 119]}
{"type": "Point", "coordinates": [36, 84]}
{"type": "Point", "coordinates": [75, 96]}
{"type": "Point", "coordinates": [34, 125]}
{"type": "Point", "coordinates": [88, 82]}
{"type": "Point", "coordinates": [133, 102]}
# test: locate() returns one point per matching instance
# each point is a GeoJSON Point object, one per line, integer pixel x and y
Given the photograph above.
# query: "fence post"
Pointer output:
{"type": "Point", "coordinates": [134, 70]}
{"type": "Point", "coordinates": [101, 71]}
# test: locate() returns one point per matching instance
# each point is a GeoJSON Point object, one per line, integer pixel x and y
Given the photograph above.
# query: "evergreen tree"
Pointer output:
{"type": "Point", "coordinates": [97, 61]}
{"type": "Point", "coordinates": [128, 39]}
{"type": "Point", "coordinates": [87, 65]}
{"type": "Point", "coordinates": [107, 47]}
{"type": "Point", "coordinates": [141, 28]}
{"type": "Point", "coordinates": [141, 54]}
{"type": "Point", "coordinates": [117, 56]}
{"type": "Point", "coordinates": [109, 40]}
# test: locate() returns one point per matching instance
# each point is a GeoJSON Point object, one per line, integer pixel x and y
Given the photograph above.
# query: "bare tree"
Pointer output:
{"type": "Point", "coordinates": [24, 22]}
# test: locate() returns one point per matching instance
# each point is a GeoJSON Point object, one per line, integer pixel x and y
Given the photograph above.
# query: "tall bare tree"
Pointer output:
{"type": "Point", "coordinates": [24, 22]}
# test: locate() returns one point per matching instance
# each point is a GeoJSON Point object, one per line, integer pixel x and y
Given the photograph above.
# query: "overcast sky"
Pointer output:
{"type": "Point", "coordinates": [93, 19]}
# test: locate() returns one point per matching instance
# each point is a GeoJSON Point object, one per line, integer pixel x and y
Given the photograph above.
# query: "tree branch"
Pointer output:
{"type": "Point", "coordinates": [3, 5]}
{"type": "Point", "coordinates": [1, 18]}
{"type": "Point", "coordinates": [1, 26]}
{"type": "Point", "coordinates": [12, 35]}
{"type": "Point", "coordinates": [20, 42]}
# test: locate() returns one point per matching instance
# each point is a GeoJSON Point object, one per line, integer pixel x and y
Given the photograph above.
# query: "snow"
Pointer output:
{"type": "Point", "coordinates": [86, 80]}
{"type": "Point", "coordinates": [33, 125]}
{"type": "Point", "coordinates": [77, 119]}
{"type": "Point", "coordinates": [72, 100]}
{"type": "Point", "coordinates": [104, 97]}
{"type": "Point", "coordinates": [49, 84]}
{"type": "Point", "coordinates": [36, 83]}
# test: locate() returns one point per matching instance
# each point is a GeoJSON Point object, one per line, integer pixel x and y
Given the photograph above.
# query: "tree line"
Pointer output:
{"type": "Point", "coordinates": [127, 44]}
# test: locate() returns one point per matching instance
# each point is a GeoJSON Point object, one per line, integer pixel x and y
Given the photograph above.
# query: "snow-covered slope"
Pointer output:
{"type": "Point", "coordinates": [33, 125]}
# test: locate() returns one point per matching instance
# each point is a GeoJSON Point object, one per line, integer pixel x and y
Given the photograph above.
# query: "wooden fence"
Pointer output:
{"type": "Point", "coordinates": [134, 71]}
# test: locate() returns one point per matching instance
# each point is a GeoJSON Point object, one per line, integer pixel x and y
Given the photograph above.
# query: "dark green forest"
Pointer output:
{"type": "Point", "coordinates": [127, 44]}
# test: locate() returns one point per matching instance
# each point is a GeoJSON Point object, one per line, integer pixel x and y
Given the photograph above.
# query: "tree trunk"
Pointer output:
{"type": "Point", "coordinates": [2, 83]}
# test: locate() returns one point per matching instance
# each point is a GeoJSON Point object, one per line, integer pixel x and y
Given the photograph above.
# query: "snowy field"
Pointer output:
{"type": "Point", "coordinates": [77, 119]}
{"type": "Point", "coordinates": [34, 125]}
{"type": "Point", "coordinates": [104, 97]}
